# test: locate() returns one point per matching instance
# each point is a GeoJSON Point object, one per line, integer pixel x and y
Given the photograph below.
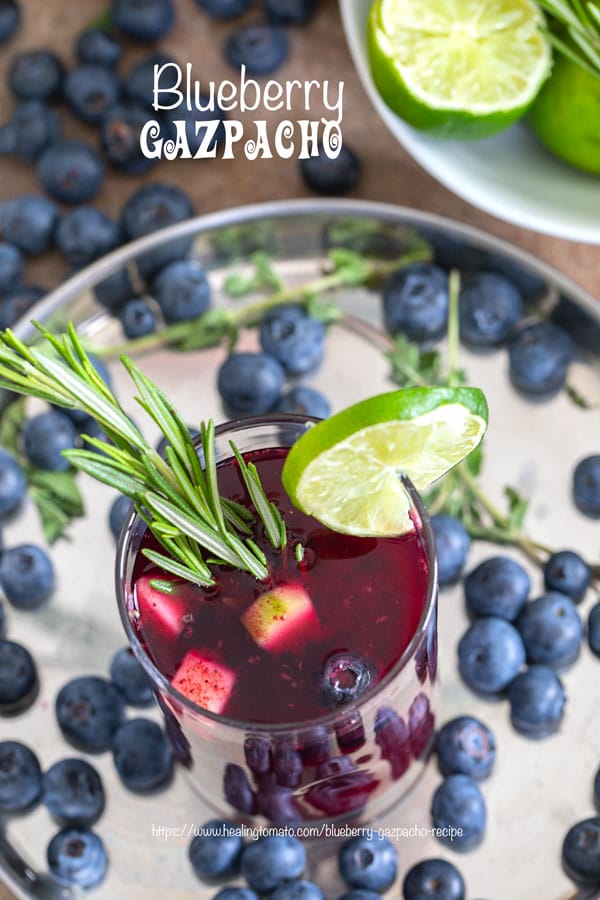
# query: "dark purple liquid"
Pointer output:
{"type": "Point", "coordinates": [368, 594]}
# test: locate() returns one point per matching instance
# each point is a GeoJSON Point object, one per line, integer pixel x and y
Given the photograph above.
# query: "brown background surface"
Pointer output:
{"type": "Point", "coordinates": [318, 51]}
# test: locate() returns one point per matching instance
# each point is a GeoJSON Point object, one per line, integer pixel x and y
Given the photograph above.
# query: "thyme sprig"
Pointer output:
{"type": "Point", "coordinates": [460, 493]}
{"type": "Point", "coordinates": [175, 495]}
{"type": "Point", "coordinates": [347, 269]}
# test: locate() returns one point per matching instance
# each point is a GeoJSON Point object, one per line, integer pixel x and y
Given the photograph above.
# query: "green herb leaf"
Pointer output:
{"type": "Point", "coordinates": [325, 310]}
{"type": "Point", "coordinates": [577, 398]}
{"type": "Point", "coordinates": [517, 508]}
{"type": "Point", "coordinates": [57, 498]}
{"type": "Point", "coordinates": [268, 512]}
{"type": "Point", "coordinates": [11, 422]}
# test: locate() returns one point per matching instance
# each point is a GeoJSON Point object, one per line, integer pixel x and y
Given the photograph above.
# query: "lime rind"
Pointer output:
{"type": "Point", "coordinates": [465, 68]}
{"type": "Point", "coordinates": [346, 470]}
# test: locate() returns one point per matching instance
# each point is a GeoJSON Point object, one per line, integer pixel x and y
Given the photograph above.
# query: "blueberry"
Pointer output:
{"type": "Point", "coordinates": [73, 792]}
{"type": "Point", "coordinates": [129, 678]}
{"type": "Point", "coordinates": [224, 9]}
{"type": "Point", "coordinates": [142, 755]}
{"type": "Point", "coordinates": [287, 765]}
{"type": "Point", "coordinates": [11, 266]}
{"type": "Point", "coordinates": [90, 90]}
{"type": "Point", "coordinates": [182, 291]}
{"type": "Point", "coordinates": [272, 860]}
{"type": "Point", "coordinates": [235, 893]}
{"type": "Point", "coordinates": [98, 48]}
{"type": "Point", "coordinates": [537, 700]}
{"type": "Point", "coordinates": [45, 436]}
{"type": "Point", "coordinates": [393, 739]}
{"type": "Point", "coordinates": [36, 75]}
{"type": "Point", "coordinates": [76, 856]}
{"type": "Point", "coordinates": [114, 290]}
{"type": "Point", "coordinates": [143, 20]}
{"type": "Point", "coordinates": [350, 731]}
{"type": "Point", "coordinates": [237, 790]}
{"type": "Point", "coordinates": [14, 306]}
{"type": "Point", "coordinates": [331, 177]}
{"type": "Point", "coordinates": [32, 128]}
{"type": "Point", "coordinates": [420, 725]}
{"type": "Point", "coordinates": [346, 676]}
{"type": "Point", "coordinates": [120, 130]}
{"type": "Point", "coordinates": [344, 794]}
{"type": "Point", "coordinates": [314, 745]}
{"type": "Point", "coordinates": [368, 862]}
{"type": "Point", "coordinates": [465, 746]}
{"type": "Point", "coordinates": [277, 804]}
{"type": "Point", "coordinates": [257, 754]}
{"type": "Point", "coordinates": [458, 804]}
{"type": "Point", "coordinates": [85, 234]}
{"type": "Point", "coordinates": [498, 586]}
{"type": "Point", "coordinates": [539, 356]}
{"type": "Point", "coordinates": [586, 486]}
{"type": "Point", "coordinates": [20, 777]}
{"type": "Point", "coordinates": [215, 852]}
{"type": "Point", "coordinates": [290, 12]}
{"type": "Point", "coordinates": [490, 307]}
{"type": "Point", "coordinates": [490, 654]}
{"type": "Point", "coordinates": [452, 544]}
{"type": "Point", "coordinates": [29, 222]}
{"type": "Point", "coordinates": [551, 630]}
{"type": "Point", "coordinates": [10, 18]}
{"type": "Point", "coordinates": [581, 852]}
{"type": "Point", "coordinates": [151, 207]}
{"type": "Point", "coordinates": [89, 710]}
{"type": "Point", "coordinates": [261, 47]}
{"type": "Point", "coordinates": [295, 339]}
{"type": "Point", "coordinates": [298, 890]}
{"type": "Point", "coordinates": [137, 318]}
{"type": "Point", "coordinates": [360, 894]}
{"type": "Point", "coordinates": [415, 302]}
{"type": "Point", "coordinates": [26, 576]}
{"type": "Point", "coordinates": [18, 678]}
{"type": "Point", "coordinates": [250, 383]}
{"type": "Point", "coordinates": [594, 629]}
{"type": "Point", "coordinates": [13, 485]}
{"type": "Point", "coordinates": [138, 83]}
{"type": "Point", "coordinates": [304, 401]}
{"type": "Point", "coordinates": [70, 171]}
{"type": "Point", "coordinates": [433, 879]}
{"type": "Point", "coordinates": [567, 573]}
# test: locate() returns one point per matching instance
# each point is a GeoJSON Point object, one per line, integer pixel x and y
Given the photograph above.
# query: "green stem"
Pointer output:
{"type": "Point", "coordinates": [248, 315]}
{"type": "Point", "coordinates": [453, 326]}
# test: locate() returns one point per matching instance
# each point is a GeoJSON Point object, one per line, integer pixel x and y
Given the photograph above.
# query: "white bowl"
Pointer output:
{"type": "Point", "coordinates": [510, 175]}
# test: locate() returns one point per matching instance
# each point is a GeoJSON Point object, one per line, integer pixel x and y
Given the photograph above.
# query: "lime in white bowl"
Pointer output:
{"type": "Point", "coordinates": [509, 175]}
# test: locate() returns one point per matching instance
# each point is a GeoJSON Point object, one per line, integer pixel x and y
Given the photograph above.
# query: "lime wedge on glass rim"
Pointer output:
{"type": "Point", "coordinates": [458, 68]}
{"type": "Point", "coordinates": [345, 471]}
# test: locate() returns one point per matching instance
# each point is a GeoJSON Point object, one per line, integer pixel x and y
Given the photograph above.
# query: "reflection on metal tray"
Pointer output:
{"type": "Point", "coordinates": [535, 794]}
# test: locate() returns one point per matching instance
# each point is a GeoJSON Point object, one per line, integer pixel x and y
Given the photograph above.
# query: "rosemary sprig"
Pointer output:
{"type": "Point", "coordinates": [348, 268]}
{"type": "Point", "coordinates": [580, 20]}
{"type": "Point", "coordinates": [178, 499]}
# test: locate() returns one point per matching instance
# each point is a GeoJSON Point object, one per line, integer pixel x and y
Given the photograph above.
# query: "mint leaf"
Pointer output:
{"type": "Point", "coordinates": [262, 278]}
{"type": "Point", "coordinates": [324, 310]}
{"type": "Point", "coordinates": [57, 498]}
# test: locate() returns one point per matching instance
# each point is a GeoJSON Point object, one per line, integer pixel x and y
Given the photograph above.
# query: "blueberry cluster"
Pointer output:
{"type": "Point", "coordinates": [90, 712]}
{"type": "Point", "coordinates": [274, 865]}
{"type": "Point", "coordinates": [510, 630]}
{"type": "Point", "coordinates": [117, 104]}
{"type": "Point", "coordinates": [292, 345]}
{"type": "Point", "coordinates": [491, 315]}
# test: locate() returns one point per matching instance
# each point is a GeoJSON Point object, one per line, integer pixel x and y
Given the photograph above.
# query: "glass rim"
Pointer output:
{"type": "Point", "coordinates": [133, 524]}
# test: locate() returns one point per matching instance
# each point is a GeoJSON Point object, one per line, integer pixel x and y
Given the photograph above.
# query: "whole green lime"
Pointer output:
{"type": "Point", "coordinates": [566, 115]}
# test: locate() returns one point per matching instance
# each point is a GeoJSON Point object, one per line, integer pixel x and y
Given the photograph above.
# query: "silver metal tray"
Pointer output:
{"type": "Point", "coordinates": [538, 789]}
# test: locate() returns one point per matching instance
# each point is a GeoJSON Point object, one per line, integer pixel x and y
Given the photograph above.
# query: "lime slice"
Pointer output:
{"type": "Point", "coordinates": [345, 471]}
{"type": "Point", "coordinates": [458, 68]}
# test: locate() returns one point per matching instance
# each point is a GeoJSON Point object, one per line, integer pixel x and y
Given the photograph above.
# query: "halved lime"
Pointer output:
{"type": "Point", "coordinates": [345, 471]}
{"type": "Point", "coordinates": [458, 68]}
